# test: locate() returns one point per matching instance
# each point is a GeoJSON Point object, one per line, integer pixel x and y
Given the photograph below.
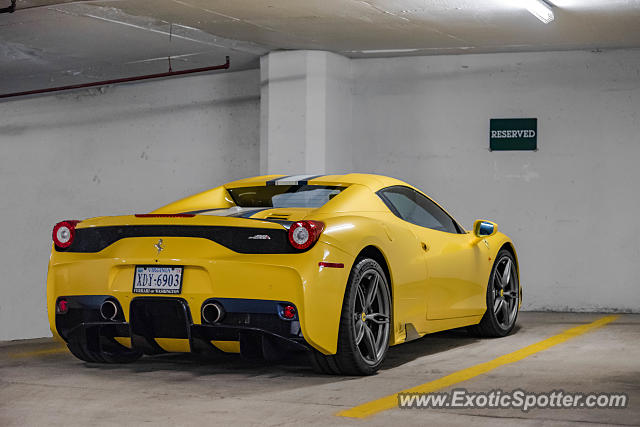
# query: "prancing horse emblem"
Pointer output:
{"type": "Point", "coordinates": [159, 246]}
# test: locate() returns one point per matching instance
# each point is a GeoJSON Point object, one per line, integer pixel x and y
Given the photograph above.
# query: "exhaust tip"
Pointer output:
{"type": "Point", "coordinates": [108, 310]}
{"type": "Point", "coordinates": [212, 312]}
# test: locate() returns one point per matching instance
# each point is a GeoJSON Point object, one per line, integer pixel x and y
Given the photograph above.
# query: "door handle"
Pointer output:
{"type": "Point", "coordinates": [425, 247]}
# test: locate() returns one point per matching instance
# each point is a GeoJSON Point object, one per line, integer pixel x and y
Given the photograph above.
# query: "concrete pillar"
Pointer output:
{"type": "Point", "coordinates": [305, 113]}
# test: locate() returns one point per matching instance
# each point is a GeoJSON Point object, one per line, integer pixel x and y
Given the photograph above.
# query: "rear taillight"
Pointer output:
{"type": "Point", "coordinates": [62, 307]}
{"type": "Point", "coordinates": [303, 234]}
{"type": "Point", "coordinates": [64, 233]}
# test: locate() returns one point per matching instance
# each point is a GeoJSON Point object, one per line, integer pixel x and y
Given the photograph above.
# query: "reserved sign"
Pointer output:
{"type": "Point", "coordinates": [513, 134]}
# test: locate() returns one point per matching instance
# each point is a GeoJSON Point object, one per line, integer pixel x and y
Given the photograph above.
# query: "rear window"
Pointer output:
{"type": "Point", "coordinates": [284, 196]}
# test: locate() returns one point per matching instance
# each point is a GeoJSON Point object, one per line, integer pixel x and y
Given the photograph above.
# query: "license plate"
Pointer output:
{"type": "Point", "coordinates": [154, 279]}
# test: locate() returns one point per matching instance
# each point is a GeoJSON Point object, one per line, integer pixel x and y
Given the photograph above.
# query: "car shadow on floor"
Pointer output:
{"type": "Point", "coordinates": [432, 344]}
{"type": "Point", "coordinates": [428, 345]}
{"type": "Point", "coordinates": [295, 365]}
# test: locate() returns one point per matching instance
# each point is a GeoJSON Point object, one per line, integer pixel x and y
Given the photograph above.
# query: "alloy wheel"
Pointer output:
{"type": "Point", "coordinates": [371, 313]}
{"type": "Point", "coordinates": [506, 295]}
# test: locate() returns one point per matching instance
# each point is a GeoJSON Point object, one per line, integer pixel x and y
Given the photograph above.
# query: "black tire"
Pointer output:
{"type": "Point", "coordinates": [496, 322]}
{"type": "Point", "coordinates": [323, 364]}
{"type": "Point", "coordinates": [350, 359]}
{"type": "Point", "coordinates": [84, 355]}
{"type": "Point", "coordinates": [113, 352]}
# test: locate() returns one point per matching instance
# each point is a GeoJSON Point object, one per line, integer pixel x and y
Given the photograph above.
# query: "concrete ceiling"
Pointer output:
{"type": "Point", "coordinates": [49, 43]}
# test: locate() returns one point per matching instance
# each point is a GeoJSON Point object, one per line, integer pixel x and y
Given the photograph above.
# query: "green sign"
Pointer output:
{"type": "Point", "coordinates": [513, 134]}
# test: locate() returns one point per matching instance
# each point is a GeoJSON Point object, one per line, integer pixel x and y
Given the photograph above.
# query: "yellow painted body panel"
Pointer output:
{"type": "Point", "coordinates": [210, 270]}
{"type": "Point", "coordinates": [174, 345]}
{"type": "Point", "coordinates": [439, 288]}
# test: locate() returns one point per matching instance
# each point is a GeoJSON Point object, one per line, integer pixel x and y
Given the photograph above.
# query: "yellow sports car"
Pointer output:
{"type": "Point", "coordinates": [340, 266]}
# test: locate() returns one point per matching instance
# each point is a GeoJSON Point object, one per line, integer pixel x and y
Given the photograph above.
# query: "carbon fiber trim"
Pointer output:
{"type": "Point", "coordinates": [237, 239]}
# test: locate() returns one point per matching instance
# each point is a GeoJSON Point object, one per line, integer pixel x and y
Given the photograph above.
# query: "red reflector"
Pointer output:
{"type": "Point", "coordinates": [165, 215]}
{"type": "Point", "coordinates": [289, 312]}
{"type": "Point", "coordinates": [63, 306]}
{"type": "Point", "coordinates": [331, 264]}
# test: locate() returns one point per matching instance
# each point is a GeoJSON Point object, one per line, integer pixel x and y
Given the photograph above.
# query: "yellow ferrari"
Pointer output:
{"type": "Point", "coordinates": [340, 266]}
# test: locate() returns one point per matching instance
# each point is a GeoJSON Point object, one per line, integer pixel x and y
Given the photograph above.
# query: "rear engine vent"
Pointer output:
{"type": "Point", "coordinates": [279, 216]}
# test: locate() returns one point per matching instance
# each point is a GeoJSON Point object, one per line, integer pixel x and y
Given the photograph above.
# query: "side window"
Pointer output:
{"type": "Point", "coordinates": [417, 209]}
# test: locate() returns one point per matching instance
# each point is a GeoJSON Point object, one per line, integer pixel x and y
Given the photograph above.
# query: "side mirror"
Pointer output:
{"type": "Point", "coordinates": [484, 228]}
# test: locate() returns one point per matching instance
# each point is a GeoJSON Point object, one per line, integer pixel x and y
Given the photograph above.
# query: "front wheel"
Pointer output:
{"type": "Point", "coordinates": [363, 339]}
{"type": "Point", "coordinates": [503, 298]}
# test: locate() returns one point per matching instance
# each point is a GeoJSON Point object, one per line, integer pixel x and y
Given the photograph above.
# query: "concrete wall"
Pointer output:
{"type": "Point", "coordinates": [127, 149]}
{"type": "Point", "coordinates": [572, 207]}
{"type": "Point", "coordinates": [305, 114]}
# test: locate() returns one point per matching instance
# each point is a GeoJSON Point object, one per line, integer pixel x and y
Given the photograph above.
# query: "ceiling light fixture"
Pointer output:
{"type": "Point", "coordinates": [540, 9]}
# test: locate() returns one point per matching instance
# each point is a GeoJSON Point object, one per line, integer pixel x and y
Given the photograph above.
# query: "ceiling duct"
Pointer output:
{"type": "Point", "coordinates": [224, 66]}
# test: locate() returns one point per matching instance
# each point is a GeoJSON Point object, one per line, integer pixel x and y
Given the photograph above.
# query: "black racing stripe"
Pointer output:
{"type": "Point", "coordinates": [273, 181]}
{"type": "Point", "coordinates": [306, 181]}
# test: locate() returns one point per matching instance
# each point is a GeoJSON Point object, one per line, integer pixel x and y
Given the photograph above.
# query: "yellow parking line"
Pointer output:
{"type": "Point", "coordinates": [370, 408]}
{"type": "Point", "coordinates": [38, 353]}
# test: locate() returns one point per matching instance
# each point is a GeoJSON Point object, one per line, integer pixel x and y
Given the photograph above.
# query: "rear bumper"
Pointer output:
{"type": "Point", "coordinates": [255, 325]}
{"type": "Point", "coordinates": [211, 271]}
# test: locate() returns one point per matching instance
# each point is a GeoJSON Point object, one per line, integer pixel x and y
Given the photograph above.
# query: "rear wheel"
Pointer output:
{"type": "Point", "coordinates": [363, 338]}
{"type": "Point", "coordinates": [503, 298]}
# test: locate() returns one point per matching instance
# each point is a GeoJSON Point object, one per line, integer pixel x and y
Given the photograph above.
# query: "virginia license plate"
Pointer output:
{"type": "Point", "coordinates": [155, 279]}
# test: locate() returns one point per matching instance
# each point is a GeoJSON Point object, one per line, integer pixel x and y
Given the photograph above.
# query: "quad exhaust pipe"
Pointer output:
{"type": "Point", "coordinates": [108, 310]}
{"type": "Point", "coordinates": [212, 312]}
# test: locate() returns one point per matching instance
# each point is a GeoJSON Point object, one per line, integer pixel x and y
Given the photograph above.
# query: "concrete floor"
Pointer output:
{"type": "Point", "coordinates": [40, 383]}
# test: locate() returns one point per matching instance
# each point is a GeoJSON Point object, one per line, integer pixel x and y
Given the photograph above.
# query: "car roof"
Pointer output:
{"type": "Point", "coordinates": [374, 182]}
